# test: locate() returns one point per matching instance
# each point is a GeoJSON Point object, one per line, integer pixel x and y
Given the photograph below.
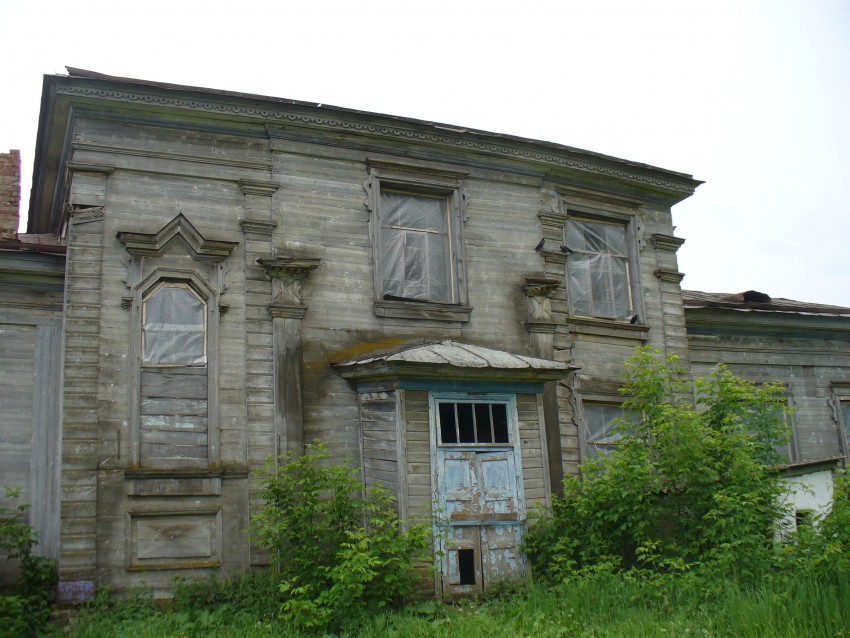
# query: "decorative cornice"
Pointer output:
{"type": "Point", "coordinates": [257, 227]}
{"type": "Point", "coordinates": [666, 242]}
{"type": "Point", "coordinates": [155, 244]}
{"type": "Point", "coordinates": [466, 142]}
{"type": "Point", "coordinates": [175, 157]}
{"type": "Point", "coordinates": [256, 187]}
{"type": "Point", "coordinates": [77, 167]}
{"type": "Point", "coordinates": [670, 276]}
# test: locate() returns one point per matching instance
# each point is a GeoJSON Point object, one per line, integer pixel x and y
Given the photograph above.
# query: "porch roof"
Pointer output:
{"type": "Point", "coordinates": [452, 360]}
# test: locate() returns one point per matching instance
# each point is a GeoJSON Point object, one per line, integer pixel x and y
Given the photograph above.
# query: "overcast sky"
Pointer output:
{"type": "Point", "coordinates": [753, 97]}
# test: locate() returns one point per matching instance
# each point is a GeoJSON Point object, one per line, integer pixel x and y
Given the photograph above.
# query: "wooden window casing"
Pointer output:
{"type": "Point", "coordinates": [417, 241]}
{"type": "Point", "coordinates": [600, 272]}
{"type": "Point", "coordinates": [173, 406]}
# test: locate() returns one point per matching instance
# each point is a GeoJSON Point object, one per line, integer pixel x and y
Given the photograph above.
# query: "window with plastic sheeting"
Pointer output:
{"type": "Point", "coordinates": [605, 424]}
{"type": "Point", "coordinates": [415, 246]}
{"type": "Point", "coordinates": [598, 269]}
{"type": "Point", "coordinates": [173, 326]}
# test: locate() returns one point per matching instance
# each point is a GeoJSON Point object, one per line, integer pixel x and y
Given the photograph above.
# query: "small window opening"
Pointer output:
{"type": "Point", "coordinates": [466, 566]}
{"type": "Point", "coordinates": [803, 518]}
{"type": "Point", "coordinates": [482, 423]}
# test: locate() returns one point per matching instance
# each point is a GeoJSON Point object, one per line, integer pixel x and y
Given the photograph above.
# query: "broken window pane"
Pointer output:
{"type": "Point", "coordinates": [471, 423]}
{"type": "Point", "coordinates": [173, 326]}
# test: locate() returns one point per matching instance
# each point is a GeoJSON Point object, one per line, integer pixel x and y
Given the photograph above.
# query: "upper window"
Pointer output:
{"type": "Point", "coordinates": [417, 244]}
{"type": "Point", "coordinates": [173, 326]}
{"type": "Point", "coordinates": [598, 268]}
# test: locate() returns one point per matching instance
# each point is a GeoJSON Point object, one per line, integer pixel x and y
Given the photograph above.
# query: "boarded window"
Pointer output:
{"type": "Point", "coordinates": [415, 246]}
{"type": "Point", "coordinates": [598, 269]}
{"type": "Point", "coordinates": [473, 423]}
{"type": "Point", "coordinates": [173, 326]}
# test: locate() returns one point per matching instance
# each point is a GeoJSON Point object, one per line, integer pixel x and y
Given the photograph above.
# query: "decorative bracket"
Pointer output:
{"type": "Point", "coordinates": [540, 291]}
{"type": "Point", "coordinates": [287, 275]}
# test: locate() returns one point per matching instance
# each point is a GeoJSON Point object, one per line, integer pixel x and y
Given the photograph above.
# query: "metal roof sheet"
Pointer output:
{"type": "Point", "coordinates": [462, 355]}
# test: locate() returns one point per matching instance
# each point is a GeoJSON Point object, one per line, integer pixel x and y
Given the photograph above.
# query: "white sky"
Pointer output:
{"type": "Point", "coordinates": [751, 96]}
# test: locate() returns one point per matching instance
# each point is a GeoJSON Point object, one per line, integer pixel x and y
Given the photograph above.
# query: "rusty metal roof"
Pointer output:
{"type": "Point", "coordinates": [450, 358]}
{"type": "Point", "coordinates": [739, 301]}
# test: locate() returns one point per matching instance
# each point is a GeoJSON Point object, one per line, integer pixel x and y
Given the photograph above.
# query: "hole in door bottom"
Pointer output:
{"type": "Point", "coordinates": [466, 566]}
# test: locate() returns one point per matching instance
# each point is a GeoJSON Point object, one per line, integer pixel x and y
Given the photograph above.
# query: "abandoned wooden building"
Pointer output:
{"type": "Point", "coordinates": [450, 308]}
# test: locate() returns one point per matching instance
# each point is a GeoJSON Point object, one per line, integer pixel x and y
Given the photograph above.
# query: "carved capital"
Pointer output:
{"type": "Point", "coordinates": [539, 291]}
{"type": "Point", "coordinates": [287, 275]}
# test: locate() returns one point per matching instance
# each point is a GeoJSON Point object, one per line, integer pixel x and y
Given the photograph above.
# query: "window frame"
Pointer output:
{"type": "Point", "coordinates": [627, 222]}
{"type": "Point", "coordinates": [841, 399]}
{"type": "Point", "coordinates": [429, 181]}
{"type": "Point", "coordinates": [584, 429]}
{"type": "Point", "coordinates": [202, 288]}
{"type": "Point", "coordinates": [473, 400]}
{"type": "Point", "coordinates": [146, 296]}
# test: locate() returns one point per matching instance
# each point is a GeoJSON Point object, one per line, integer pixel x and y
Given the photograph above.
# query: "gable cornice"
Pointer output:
{"type": "Point", "coordinates": [471, 141]}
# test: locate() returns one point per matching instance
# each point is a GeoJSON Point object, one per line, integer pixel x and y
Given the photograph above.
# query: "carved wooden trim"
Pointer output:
{"type": "Point", "coordinates": [287, 275]}
{"type": "Point", "coordinates": [324, 119]}
{"type": "Point", "coordinates": [155, 244]}
{"type": "Point", "coordinates": [256, 187]}
{"type": "Point", "coordinates": [77, 167]}
{"type": "Point", "coordinates": [256, 227]}
{"type": "Point", "coordinates": [422, 310]}
{"type": "Point", "coordinates": [669, 276]}
{"type": "Point", "coordinates": [666, 242]}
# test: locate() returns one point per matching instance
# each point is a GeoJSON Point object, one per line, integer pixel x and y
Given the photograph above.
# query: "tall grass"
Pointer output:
{"type": "Point", "coordinates": [594, 605]}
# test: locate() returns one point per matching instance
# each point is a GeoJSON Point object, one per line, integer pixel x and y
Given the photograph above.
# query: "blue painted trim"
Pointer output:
{"type": "Point", "coordinates": [447, 385]}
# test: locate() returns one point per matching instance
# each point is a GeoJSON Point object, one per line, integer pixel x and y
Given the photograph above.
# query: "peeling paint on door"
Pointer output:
{"type": "Point", "coordinates": [479, 501]}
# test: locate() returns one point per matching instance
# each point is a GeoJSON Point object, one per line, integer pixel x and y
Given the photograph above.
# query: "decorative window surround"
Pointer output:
{"type": "Point", "coordinates": [433, 267]}
{"type": "Point", "coordinates": [566, 204]}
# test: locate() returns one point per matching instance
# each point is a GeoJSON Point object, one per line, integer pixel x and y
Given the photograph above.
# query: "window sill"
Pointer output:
{"type": "Point", "coordinates": [608, 328]}
{"type": "Point", "coordinates": [422, 310]}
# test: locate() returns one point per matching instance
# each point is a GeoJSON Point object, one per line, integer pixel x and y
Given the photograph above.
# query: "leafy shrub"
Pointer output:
{"type": "Point", "coordinates": [339, 554]}
{"type": "Point", "coordinates": [26, 610]}
{"type": "Point", "coordinates": [689, 485]}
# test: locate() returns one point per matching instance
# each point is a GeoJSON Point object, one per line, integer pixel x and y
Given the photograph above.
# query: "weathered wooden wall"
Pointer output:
{"type": "Point", "coordinates": [298, 190]}
{"type": "Point", "coordinates": [809, 365]}
{"type": "Point", "coordinates": [30, 372]}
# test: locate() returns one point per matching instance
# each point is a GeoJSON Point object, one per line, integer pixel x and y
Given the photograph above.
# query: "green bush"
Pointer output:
{"type": "Point", "coordinates": [689, 485]}
{"type": "Point", "coordinates": [340, 554]}
{"type": "Point", "coordinates": [25, 610]}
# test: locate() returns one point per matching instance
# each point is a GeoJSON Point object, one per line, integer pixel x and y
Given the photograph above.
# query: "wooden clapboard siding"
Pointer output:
{"type": "Point", "coordinates": [379, 428]}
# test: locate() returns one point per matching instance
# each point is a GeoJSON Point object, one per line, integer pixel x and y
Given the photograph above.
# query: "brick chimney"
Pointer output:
{"type": "Point", "coordinates": [10, 193]}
